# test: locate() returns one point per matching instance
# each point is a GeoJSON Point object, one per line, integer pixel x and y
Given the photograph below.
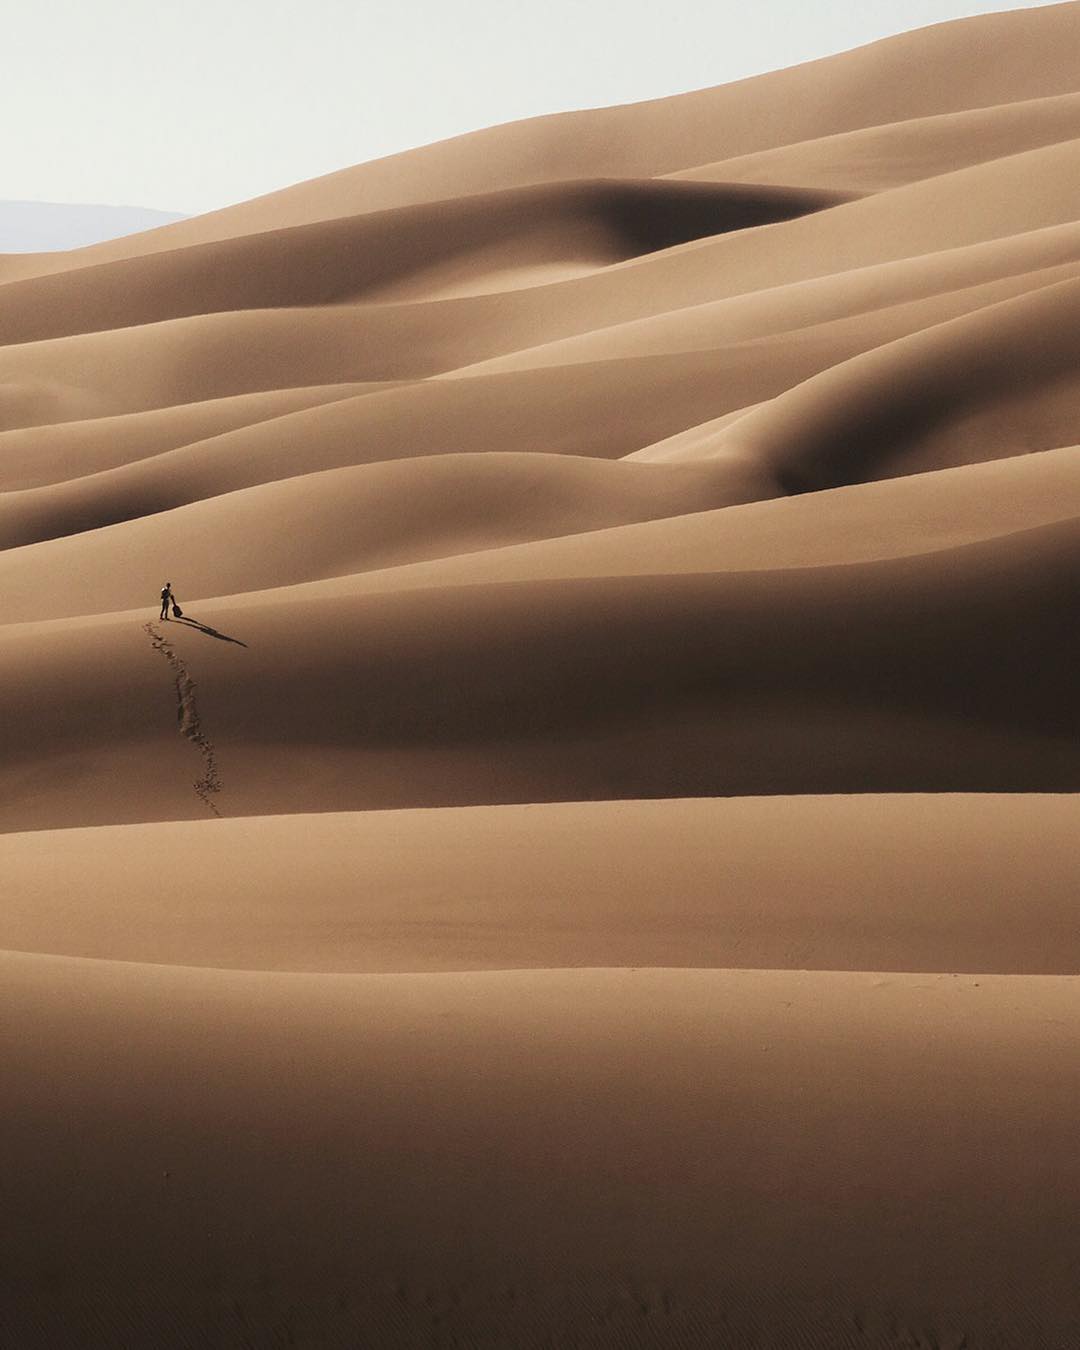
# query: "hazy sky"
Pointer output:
{"type": "Point", "coordinates": [191, 105]}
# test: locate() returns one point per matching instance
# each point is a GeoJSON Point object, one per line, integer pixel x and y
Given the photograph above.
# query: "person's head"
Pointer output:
{"type": "Point", "coordinates": [168, 585]}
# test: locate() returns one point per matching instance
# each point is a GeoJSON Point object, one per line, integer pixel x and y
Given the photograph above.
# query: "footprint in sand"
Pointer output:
{"type": "Point", "coordinates": [187, 716]}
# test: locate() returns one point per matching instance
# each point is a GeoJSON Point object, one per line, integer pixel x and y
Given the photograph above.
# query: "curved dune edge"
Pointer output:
{"type": "Point", "coordinates": [894, 675]}
{"type": "Point", "coordinates": [875, 159]}
{"type": "Point", "coordinates": [723, 323]}
{"type": "Point", "coordinates": [355, 519]}
{"type": "Point", "coordinates": [991, 382]}
{"type": "Point", "coordinates": [467, 246]}
{"type": "Point", "coordinates": [32, 457]}
{"type": "Point", "coordinates": [872, 84]}
{"type": "Point", "coordinates": [923, 513]}
{"type": "Point", "coordinates": [966, 208]}
{"type": "Point", "coordinates": [938, 279]}
{"type": "Point", "coordinates": [799, 882]}
{"type": "Point", "coordinates": [602, 412]}
{"type": "Point", "coordinates": [937, 397]}
{"type": "Point", "coordinates": [920, 514]}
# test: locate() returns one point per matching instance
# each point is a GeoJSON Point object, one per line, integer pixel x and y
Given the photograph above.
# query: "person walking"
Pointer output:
{"type": "Point", "coordinates": [166, 599]}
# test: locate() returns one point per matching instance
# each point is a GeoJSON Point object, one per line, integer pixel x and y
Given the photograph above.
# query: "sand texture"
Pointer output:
{"type": "Point", "coordinates": [597, 862]}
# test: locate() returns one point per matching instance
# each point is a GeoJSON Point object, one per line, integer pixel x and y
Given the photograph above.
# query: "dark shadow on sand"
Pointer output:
{"type": "Point", "coordinates": [205, 628]}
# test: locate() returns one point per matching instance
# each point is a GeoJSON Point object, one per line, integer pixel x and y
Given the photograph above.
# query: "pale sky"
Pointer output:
{"type": "Point", "coordinates": [188, 105]}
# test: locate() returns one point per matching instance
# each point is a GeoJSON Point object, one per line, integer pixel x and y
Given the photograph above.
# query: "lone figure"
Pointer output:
{"type": "Point", "coordinates": [166, 599]}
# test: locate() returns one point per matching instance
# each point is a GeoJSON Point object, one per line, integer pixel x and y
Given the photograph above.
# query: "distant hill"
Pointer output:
{"type": "Point", "coordinates": [37, 227]}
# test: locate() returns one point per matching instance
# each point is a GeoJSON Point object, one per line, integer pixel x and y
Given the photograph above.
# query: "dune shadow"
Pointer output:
{"type": "Point", "coordinates": [205, 628]}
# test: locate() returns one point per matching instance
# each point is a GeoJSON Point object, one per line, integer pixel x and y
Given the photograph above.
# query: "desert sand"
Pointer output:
{"type": "Point", "coordinates": [596, 863]}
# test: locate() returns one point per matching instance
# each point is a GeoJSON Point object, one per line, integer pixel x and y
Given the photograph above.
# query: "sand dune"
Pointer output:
{"type": "Point", "coordinates": [991, 383]}
{"type": "Point", "coordinates": [355, 519]}
{"type": "Point", "coordinates": [599, 1132]}
{"type": "Point", "coordinates": [38, 456]}
{"type": "Point", "coordinates": [923, 513]}
{"type": "Point", "coordinates": [873, 159]}
{"type": "Point", "coordinates": [722, 323]}
{"type": "Point", "coordinates": [542, 411]}
{"type": "Point", "coordinates": [898, 675]}
{"type": "Point", "coordinates": [820, 300]}
{"type": "Point", "coordinates": [404, 254]}
{"type": "Point", "coordinates": [1004, 58]}
{"type": "Point", "coordinates": [193, 360]}
{"type": "Point", "coordinates": [594, 863]}
{"type": "Point", "coordinates": [180, 360]}
{"type": "Point", "coordinates": [999, 381]}
{"type": "Point", "coordinates": [802, 883]}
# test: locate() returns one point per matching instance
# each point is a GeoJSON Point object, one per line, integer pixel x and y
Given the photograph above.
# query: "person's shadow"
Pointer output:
{"type": "Point", "coordinates": [205, 628]}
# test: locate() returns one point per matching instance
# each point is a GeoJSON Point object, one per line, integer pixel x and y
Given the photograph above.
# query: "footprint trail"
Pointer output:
{"type": "Point", "coordinates": [188, 721]}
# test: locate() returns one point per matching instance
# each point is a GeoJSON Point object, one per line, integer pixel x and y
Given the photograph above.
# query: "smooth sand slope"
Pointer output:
{"type": "Point", "coordinates": [801, 883]}
{"type": "Point", "coordinates": [595, 864]}
{"type": "Point", "coordinates": [33, 457]}
{"type": "Point", "coordinates": [418, 508]}
{"type": "Point", "coordinates": [899, 675]}
{"type": "Point", "coordinates": [872, 159]}
{"type": "Point", "coordinates": [996, 59]}
{"type": "Point", "coordinates": [225, 352]}
{"type": "Point", "coordinates": [421, 252]}
{"type": "Point", "coordinates": [607, 1157]}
